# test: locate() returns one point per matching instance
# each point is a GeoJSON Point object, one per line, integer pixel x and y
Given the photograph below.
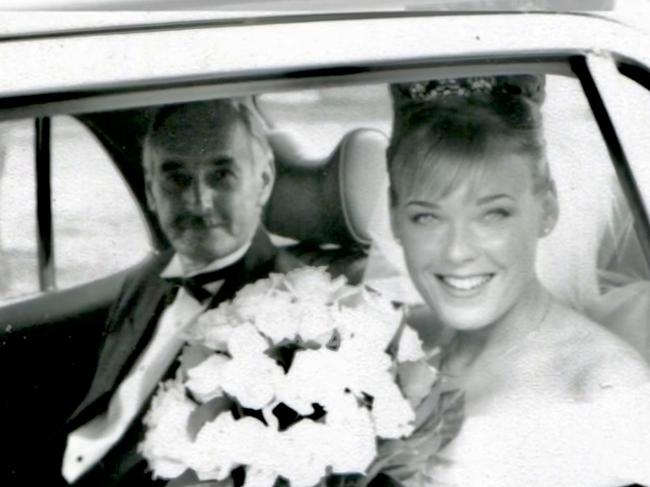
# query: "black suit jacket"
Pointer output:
{"type": "Point", "coordinates": [132, 322]}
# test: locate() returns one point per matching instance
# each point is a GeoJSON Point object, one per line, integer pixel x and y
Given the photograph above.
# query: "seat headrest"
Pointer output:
{"type": "Point", "coordinates": [328, 201]}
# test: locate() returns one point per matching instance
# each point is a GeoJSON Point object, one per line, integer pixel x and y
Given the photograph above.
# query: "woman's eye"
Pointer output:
{"type": "Point", "coordinates": [497, 214]}
{"type": "Point", "coordinates": [424, 218]}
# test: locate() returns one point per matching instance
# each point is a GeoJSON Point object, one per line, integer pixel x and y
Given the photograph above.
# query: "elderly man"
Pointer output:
{"type": "Point", "coordinates": [209, 172]}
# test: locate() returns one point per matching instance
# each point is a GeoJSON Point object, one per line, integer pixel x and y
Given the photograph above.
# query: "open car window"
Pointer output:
{"type": "Point", "coordinates": [342, 201]}
{"type": "Point", "coordinates": [622, 252]}
{"type": "Point", "coordinates": [317, 119]}
{"type": "Point", "coordinates": [96, 227]}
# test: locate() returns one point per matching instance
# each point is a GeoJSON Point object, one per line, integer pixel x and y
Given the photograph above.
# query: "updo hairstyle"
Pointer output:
{"type": "Point", "coordinates": [468, 121]}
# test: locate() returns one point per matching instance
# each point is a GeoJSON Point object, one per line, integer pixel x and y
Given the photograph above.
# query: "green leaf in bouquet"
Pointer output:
{"type": "Point", "coordinates": [285, 351]}
{"type": "Point", "coordinates": [438, 420]}
{"type": "Point", "coordinates": [191, 356]}
{"type": "Point", "coordinates": [334, 342]}
{"type": "Point", "coordinates": [207, 412]}
{"type": "Point", "coordinates": [416, 380]}
{"type": "Point", "coordinates": [393, 345]}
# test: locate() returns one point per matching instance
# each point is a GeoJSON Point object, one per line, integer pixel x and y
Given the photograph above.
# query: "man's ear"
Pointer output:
{"type": "Point", "coordinates": [151, 201]}
{"type": "Point", "coordinates": [267, 175]}
{"type": "Point", "coordinates": [392, 210]}
{"type": "Point", "coordinates": [147, 164]}
{"type": "Point", "coordinates": [550, 210]}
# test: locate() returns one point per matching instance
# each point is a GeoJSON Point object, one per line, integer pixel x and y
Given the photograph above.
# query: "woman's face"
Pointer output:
{"type": "Point", "coordinates": [471, 252]}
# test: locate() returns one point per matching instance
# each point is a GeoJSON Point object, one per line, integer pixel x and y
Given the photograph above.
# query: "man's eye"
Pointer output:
{"type": "Point", "coordinates": [220, 175]}
{"type": "Point", "coordinates": [178, 179]}
{"type": "Point", "coordinates": [497, 214]}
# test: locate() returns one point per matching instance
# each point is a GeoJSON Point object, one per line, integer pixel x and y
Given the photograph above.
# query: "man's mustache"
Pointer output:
{"type": "Point", "coordinates": [194, 221]}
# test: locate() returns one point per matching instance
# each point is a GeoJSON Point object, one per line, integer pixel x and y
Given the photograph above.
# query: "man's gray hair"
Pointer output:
{"type": "Point", "coordinates": [220, 112]}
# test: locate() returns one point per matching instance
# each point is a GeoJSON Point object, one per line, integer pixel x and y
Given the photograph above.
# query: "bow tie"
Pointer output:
{"type": "Point", "coordinates": [195, 285]}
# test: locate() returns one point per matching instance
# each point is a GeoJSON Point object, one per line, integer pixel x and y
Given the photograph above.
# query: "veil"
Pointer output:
{"type": "Point", "coordinates": [592, 260]}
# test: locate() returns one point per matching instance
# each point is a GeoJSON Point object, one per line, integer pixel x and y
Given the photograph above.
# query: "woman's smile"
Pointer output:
{"type": "Point", "coordinates": [464, 286]}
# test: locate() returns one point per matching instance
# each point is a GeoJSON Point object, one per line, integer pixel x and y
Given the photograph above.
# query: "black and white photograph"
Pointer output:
{"type": "Point", "coordinates": [290, 243]}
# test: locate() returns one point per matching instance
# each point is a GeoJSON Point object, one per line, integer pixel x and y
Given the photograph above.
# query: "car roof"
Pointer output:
{"type": "Point", "coordinates": [64, 16]}
{"type": "Point", "coordinates": [309, 5]}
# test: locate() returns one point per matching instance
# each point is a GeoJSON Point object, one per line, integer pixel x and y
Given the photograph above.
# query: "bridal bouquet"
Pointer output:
{"type": "Point", "coordinates": [299, 378]}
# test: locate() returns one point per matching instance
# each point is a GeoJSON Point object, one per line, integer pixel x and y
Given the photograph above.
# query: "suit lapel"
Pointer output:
{"type": "Point", "coordinates": [127, 333]}
{"type": "Point", "coordinates": [136, 316]}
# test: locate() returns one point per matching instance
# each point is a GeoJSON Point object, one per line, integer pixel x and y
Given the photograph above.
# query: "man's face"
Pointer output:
{"type": "Point", "coordinates": [206, 188]}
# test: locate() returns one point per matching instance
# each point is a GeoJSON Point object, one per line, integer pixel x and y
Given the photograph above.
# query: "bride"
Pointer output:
{"type": "Point", "coordinates": [551, 397]}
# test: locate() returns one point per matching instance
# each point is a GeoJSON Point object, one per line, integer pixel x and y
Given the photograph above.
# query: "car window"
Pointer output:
{"type": "Point", "coordinates": [97, 227]}
{"type": "Point", "coordinates": [317, 119]}
{"type": "Point", "coordinates": [18, 257]}
{"type": "Point", "coordinates": [622, 252]}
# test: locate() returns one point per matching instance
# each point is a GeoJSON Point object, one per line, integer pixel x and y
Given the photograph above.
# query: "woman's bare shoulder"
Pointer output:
{"type": "Point", "coordinates": [599, 361]}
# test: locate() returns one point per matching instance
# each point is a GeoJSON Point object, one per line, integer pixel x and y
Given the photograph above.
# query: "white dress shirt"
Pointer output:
{"type": "Point", "coordinates": [88, 444]}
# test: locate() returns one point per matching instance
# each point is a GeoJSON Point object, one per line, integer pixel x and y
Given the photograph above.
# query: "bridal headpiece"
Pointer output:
{"type": "Point", "coordinates": [526, 86]}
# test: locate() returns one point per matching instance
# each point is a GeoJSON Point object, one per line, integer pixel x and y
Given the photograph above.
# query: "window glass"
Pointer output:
{"type": "Point", "coordinates": [587, 187]}
{"type": "Point", "coordinates": [316, 119]}
{"type": "Point", "coordinates": [18, 257]}
{"type": "Point", "coordinates": [98, 227]}
{"type": "Point", "coordinates": [621, 253]}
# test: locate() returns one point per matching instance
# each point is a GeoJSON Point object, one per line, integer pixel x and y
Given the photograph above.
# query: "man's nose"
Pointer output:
{"type": "Point", "coordinates": [202, 196]}
{"type": "Point", "coordinates": [460, 243]}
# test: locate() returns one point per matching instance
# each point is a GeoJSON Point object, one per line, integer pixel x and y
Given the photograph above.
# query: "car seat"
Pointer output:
{"type": "Point", "coordinates": [324, 207]}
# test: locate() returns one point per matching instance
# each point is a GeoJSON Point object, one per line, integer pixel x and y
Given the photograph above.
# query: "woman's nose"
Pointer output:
{"type": "Point", "coordinates": [460, 244]}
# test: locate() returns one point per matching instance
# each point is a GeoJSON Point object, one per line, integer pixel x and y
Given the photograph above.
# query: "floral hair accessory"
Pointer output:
{"type": "Point", "coordinates": [430, 90]}
{"type": "Point", "coordinates": [528, 86]}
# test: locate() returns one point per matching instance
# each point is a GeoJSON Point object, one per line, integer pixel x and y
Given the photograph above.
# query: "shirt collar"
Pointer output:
{"type": "Point", "coordinates": [175, 266]}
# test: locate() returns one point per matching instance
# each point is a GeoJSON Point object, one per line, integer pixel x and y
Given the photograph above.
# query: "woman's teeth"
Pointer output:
{"type": "Point", "coordinates": [466, 283]}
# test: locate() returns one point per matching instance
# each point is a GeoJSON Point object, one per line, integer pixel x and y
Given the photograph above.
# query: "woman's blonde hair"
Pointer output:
{"type": "Point", "coordinates": [447, 130]}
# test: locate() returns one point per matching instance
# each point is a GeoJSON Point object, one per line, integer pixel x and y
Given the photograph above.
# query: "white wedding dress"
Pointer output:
{"type": "Point", "coordinates": [605, 443]}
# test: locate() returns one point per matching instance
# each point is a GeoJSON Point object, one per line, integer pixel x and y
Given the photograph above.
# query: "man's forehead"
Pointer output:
{"type": "Point", "coordinates": [200, 139]}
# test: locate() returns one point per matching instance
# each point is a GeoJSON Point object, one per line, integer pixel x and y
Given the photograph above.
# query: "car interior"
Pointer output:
{"type": "Point", "coordinates": [331, 178]}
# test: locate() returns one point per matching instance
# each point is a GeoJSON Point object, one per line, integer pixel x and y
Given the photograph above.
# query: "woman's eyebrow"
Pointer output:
{"type": "Point", "coordinates": [493, 197]}
{"type": "Point", "coordinates": [428, 204]}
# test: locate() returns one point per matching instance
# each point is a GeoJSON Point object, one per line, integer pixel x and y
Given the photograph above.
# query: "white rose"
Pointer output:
{"type": "Point", "coordinates": [252, 380]}
{"type": "Point", "coordinates": [276, 317]}
{"type": "Point", "coordinates": [204, 380]}
{"type": "Point", "coordinates": [246, 342]}
{"type": "Point", "coordinates": [214, 327]}
{"type": "Point", "coordinates": [247, 301]}
{"type": "Point", "coordinates": [211, 456]}
{"type": "Point", "coordinates": [257, 477]}
{"type": "Point", "coordinates": [315, 376]}
{"type": "Point", "coordinates": [167, 439]}
{"type": "Point", "coordinates": [313, 283]}
{"type": "Point", "coordinates": [305, 459]}
{"type": "Point", "coordinates": [392, 414]}
{"type": "Point", "coordinates": [366, 326]}
{"type": "Point", "coordinates": [350, 436]}
{"type": "Point", "coordinates": [315, 321]}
